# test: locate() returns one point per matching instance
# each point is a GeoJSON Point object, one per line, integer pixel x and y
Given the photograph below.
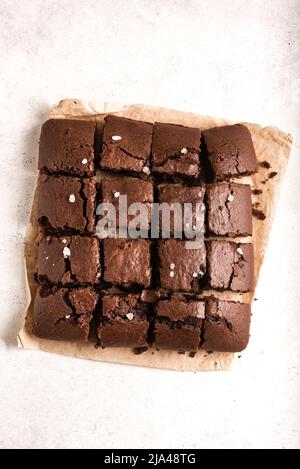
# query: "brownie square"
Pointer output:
{"type": "Point", "coordinates": [172, 194]}
{"type": "Point", "coordinates": [123, 321]}
{"type": "Point", "coordinates": [66, 204]}
{"type": "Point", "coordinates": [229, 209]}
{"type": "Point", "coordinates": [127, 262]}
{"type": "Point", "coordinates": [67, 146]}
{"type": "Point", "coordinates": [136, 190]}
{"type": "Point", "coordinates": [62, 314]}
{"type": "Point", "coordinates": [126, 145]}
{"type": "Point", "coordinates": [226, 326]}
{"type": "Point", "coordinates": [178, 323]}
{"type": "Point", "coordinates": [181, 269]}
{"type": "Point", "coordinates": [68, 260]}
{"type": "Point", "coordinates": [230, 151]}
{"type": "Point", "coordinates": [176, 150]}
{"type": "Point", "coordinates": [230, 266]}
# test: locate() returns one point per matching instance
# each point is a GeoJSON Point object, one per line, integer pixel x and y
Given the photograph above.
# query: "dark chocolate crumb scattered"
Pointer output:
{"type": "Point", "coordinates": [259, 214]}
{"type": "Point", "coordinates": [181, 352]}
{"type": "Point", "coordinates": [257, 191]}
{"type": "Point", "coordinates": [272, 174]}
{"type": "Point", "coordinates": [240, 356]}
{"type": "Point", "coordinates": [255, 299]}
{"type": "Point", "coordinates": [265, 164]}
{"type": "Point", "coordinates": [192, 354]}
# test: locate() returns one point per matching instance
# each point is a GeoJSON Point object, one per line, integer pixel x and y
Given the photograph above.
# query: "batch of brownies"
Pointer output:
{"type": "Point", "coordinates": [142, 293]}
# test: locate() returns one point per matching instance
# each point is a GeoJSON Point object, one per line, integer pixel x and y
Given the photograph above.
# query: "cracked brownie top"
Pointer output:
{"type": "Point", "coordinates": [176, 150]}
{"type": "Point", "coordinates": [126, 145]}
{"type": "Point", "coordinates": [226, 326]}
{"type": "Point", "coordinates": [178, 323]}
{"type": "Point", "coordinates": [67, 147]}
{"type": "Point", "coordinates": [230, 151]}
{"type": "Point", "coordinates": [67, 205]}
{"type": "Point", "coordinates": [181, 269]}
{"type": "Point", "coordinates": [69, 260]}
{"type": "Point", "coordinates": [229, 209]}
{"type": "Point", "coordinates": [124, 321]}
{"type": "Point", "coordinates": [230, 265]}
{"type": "Point", "coordinates": [63, 314]}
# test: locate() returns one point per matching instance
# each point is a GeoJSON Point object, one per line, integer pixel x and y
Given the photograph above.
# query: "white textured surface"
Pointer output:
{"type": "Point", "coordinates": [233, 58]}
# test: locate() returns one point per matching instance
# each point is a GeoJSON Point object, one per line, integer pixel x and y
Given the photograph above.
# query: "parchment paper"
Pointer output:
{"type": "Point", "coordinates": [271, 145]}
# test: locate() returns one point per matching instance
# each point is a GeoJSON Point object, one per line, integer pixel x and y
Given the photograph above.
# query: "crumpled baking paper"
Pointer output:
{"type": "Point", "coordinates": [271, 145]}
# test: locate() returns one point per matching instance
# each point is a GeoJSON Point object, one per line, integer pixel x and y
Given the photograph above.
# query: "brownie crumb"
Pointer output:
{"type": "Point", "coordinates": [272, 174]}
{"type": "Point", "coordinates": [265, 164]}
{"type": "Point", "coordinates": [257, 191]}
{"type": "Point", "coordinates": [259, 214]}
{"type": "Point", "coordinates": [192, 354]}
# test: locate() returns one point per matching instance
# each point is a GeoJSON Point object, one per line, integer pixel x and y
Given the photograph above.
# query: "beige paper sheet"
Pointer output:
{"type": "Point", "coordinates": [271, 144]}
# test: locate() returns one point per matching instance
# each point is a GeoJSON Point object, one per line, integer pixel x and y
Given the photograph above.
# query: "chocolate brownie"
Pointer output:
{"type": "Point", "coordinates": [67, 146]}
{"type": "Point", "coordinates": [127, 262]}
{"type": "Point", "coordinates": [180, 195]}
{"type": "Point", "coordinates": [229, 209]}
{"type": "Point", "coordinates": [230, 266]}
{"type": "Point", "coordinates": [230, 151]}
{"type": "Point", "coordinates": [66, 204]}
{"type": "Point", "coordinates": [123, 321]}
{"type": "Point", "coordinates": [176, 150]}
{"type": "Point", "coordinates": [62, 314]}
{"type": "Point", "coordinates": [68, 260]}
{"type": "Point", "coordinates": [181, 269]}
{"type": "Point", "coordinates": [178, 323]}
{"type": "Point", "coordinates": [226, 326]}
{"type": "Point", "coordinates": [136, 190]}
{"type": "Point", "coordinates": [126, 145]}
